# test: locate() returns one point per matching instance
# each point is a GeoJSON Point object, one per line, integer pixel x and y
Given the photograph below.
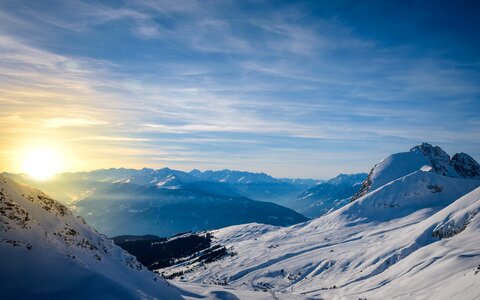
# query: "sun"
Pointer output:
{"type": "Point", "coordinates": [41, 164]}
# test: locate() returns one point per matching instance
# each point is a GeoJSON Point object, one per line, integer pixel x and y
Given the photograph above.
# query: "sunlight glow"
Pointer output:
{"type": "Point", "coordinates": [41, 164]}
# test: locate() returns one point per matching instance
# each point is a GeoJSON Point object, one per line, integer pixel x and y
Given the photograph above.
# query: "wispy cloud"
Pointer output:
{"type": "Point", "coordinates": [66, 122]}
{"type": "Point", "coordinates": [110, 139]}
{"type": "Point", "coordinates": [217, 76]}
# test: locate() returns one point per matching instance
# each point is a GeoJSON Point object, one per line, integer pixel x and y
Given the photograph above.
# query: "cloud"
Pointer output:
{"type": "Point", "coordinates": [214, 76]}
{"type": "Point", "coordinates": [111, 139]}
{"type": "Point", "coordinates": [67, 122]}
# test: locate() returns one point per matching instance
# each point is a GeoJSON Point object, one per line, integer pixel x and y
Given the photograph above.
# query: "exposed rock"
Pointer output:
{"type": "Point", "coordinates": [461, 165]}
{"type": "Point", "coordinates": [439, 159]}
{"type": "Point", "coordinates": [367, 183]}
{"type": "Point", "coordinates": [465, 165]}
{"type": "Point", "coordinates": [453, 227]}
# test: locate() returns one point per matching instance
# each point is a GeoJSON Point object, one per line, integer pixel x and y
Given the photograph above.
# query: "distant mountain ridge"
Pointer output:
{"type": "Point", "coordinates": [257, 186]}
{"type": "Point", "coordinates": [328, 196]}
{"type": "Point", "coordinates": [166, 201]}
{"type": "Point", "coordinates": [125, 208]}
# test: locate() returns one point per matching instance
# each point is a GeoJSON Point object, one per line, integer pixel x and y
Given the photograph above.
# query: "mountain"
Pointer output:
{"type": "Point", "coordinates": [69, 187]}
{"type": "Point", "coordinates": [327, 196]}
{"type": "Point", "coordinates": [306, 183]}
{"type": "Point", "coordinates": [162, 202]}
{"type": "Point", "coordinates": [46, 252]}
{"type": "Point", "coordinates": [170, 197]}
{"type": "Point", "coordinates": [412, 235]}
{"type": "Point", "coordinates": [426, 156]}
{"type": "Point", "coordinates": [258, 186]}
{"type": "Point", "coordinates": [126, 208]}
{"type": "Point", "coordinates": [233, 177]}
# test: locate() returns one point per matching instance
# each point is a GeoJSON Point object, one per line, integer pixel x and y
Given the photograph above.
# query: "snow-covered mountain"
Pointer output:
{"type": "Point", "coordinates": [137, 210]}
{"type": "Point", "coordinates": [425, 156]}
{"type": "Point", "coordinates": [412, 235]}
{"type": "Point", "coordinates": [47, 253]}
{"type": "Point", "coordinates": [233, 177]}
{"type": "Point", "coordinates": [258, 186]}
{"type": "Point", "coordinates": [163, 202]}
{"type": "Point", "coordinates": [69, 187]}
{"type": "Point", "coordinates": [327, 196]}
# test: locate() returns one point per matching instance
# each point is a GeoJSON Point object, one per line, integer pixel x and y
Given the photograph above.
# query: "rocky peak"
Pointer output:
{"type": "Point", "coordinates": [465, 165]}
{"type": "Point", "coordinates": [439, 159]}
{"type": "Point", "coordinates": [461, 165]}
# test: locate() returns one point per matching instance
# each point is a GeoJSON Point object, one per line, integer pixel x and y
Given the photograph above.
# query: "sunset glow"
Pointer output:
{"type": "Point", "coordinates": [41, 164]}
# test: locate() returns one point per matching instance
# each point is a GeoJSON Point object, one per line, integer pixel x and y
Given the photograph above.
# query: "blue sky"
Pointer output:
{"type": "Point", "coordinates": [295, 89]}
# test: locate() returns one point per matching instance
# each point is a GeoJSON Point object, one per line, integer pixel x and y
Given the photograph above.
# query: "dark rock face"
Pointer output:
{"type": "Point", "coordinates": [439, 159]}
{"type": "Point", "coordinates": [465, 166]}
{"type": "Point", "coordinates": [367, 183]}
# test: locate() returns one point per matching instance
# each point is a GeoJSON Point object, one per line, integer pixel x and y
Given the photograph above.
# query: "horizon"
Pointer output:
{"type": "Point", "coordinates": [290, 89]}
{"type": "Point", "coordinates": [186, 171]}
{"type": "Point", "coordinates": [219, 170]}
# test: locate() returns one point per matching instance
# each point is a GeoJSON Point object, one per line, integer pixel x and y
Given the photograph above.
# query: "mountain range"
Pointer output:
{"type": "Point", "coordinates": [328, 196]}
{"type": "Point", "coordinates": [413, 234]}
{"type": "Point", "coordinates": [167, 202]}
{"type": "Point", "coordinates": [409, 232]}
{"type": "Point", "coordinates": [48, 253]}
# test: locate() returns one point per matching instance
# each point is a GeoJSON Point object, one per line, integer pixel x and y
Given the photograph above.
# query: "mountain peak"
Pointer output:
{"type": "Point", "coordinates": [195, 172]}
{"type": "Point", "coordinates": [465, 165]}
{"type": "Point", "coordinates": [348, 179]}
{"type": "Point", "coordinates": [401, 164]}
{"type": "Point", "coordinates": [438, 158]}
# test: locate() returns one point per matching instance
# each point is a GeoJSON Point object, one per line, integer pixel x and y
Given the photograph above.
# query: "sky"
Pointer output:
{"type": "Point", "coordinates": [290, 88]}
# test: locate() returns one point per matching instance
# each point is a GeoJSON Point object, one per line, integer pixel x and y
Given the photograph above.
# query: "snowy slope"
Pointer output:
{"type": "Point", "coordinates": [330, 258]}
{"type": "Point", "coordinates": [414, 237]}
{"type": "Point", "coordinates": [46, 252]}
{"type": "Point", "coordinates": [424, 156]}
{"type": "Point", "coordinates": [408, 194]}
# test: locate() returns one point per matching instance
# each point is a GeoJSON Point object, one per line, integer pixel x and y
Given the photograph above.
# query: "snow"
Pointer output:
{"type": "Point", "coordinates": [397, 258]}
{"type": "Point", "coordinates": [396, 166]}
{"type": "Point", "coordinates": [46, 252]}
{"type": "Point", "coordinates": [414, 235]}
{"type": "Point", "coordinates": [424, 157]}
{"type": "Point", "coordinates": [407, 194]}
{"type": "Point", "coordinates": [193, 291]}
